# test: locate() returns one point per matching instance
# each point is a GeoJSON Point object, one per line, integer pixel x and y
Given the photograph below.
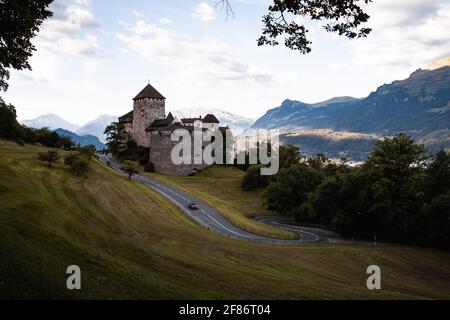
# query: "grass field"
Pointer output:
{"type": "Point", "coordinates": [219, 186]}
{"type": "Point", "coordinates": [130, 243]}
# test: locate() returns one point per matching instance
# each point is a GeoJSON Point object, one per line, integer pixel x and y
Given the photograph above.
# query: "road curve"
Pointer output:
{"type": "Point", "coordinates": [209, 217]}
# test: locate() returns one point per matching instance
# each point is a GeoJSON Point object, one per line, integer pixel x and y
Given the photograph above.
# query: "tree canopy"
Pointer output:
{"type": "Point", "coordinates": [19, 23]}
{"type": "Point", "coordinates": [115, 133]}
{"type": "Point", "coordinates": [397, 195]}
{"type": "Point", "coordinates": [286, 20]}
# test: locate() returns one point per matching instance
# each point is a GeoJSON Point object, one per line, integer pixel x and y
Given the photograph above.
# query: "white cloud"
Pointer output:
{"type": "Point", "coordinates": [165, 21]}
{"type": "Point", "coordinates": [205, 60]}
{"type": "Point", "coordinates": [408, 33]}
{"type": "Point", "coordinates": [204, 12]}
{"type": "Point", "coordinates": [68, 30]}
{"type": "Point", "coordinates": [137, 14]}
{"type": "Point", "coordinates": [87, 45]}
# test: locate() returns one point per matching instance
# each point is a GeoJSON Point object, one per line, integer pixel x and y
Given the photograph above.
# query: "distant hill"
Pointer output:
{"type": "Point", "coordinates": [237, 123]}
{"type": "Point", "coordinates": [418, 105]}
{"type": "Point", "coordinates": [97, 126]}
{"type": "Point", "coordinates": [336, 145]}
{"type": "Point", "coordinates": [51, 121]}
{"type": "Point", "coordinates": [82, 140]}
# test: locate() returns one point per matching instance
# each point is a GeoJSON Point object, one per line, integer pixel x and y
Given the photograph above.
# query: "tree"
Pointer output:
{"type": "Point", "coordinates": [435, 222]}
{"type": "Point", "coordinates": [289, 155]}
{"type": "Point", "coordinates": [253, 179]}
{"type": "Point", "coordinates": [115, 133]}
{"type": "Point", "coordinates": [343, 17]}
{"type": "Point", "coordinates": [129, 168]}
{"type": "Point", "coordinates": [291, 188]}
{"type": "Point", "coordinates": [78, 162]}
{"type": "Point", "coordinates": [65, 143]}
{"type": "Point", "coordinates": [395, 158]}
{"type": "Point", "coordinates": [49, 157]}
{"type": "Point", "coordinates": [9, 127]}
{"type": "Point", "coordinates": [47, 137]}
{"type": "Point", "coordinates": [19, 23]}
{"type": "Point", "coordinates": [437, 176]}
{"type": "Point", "coordinates": [88, 151]}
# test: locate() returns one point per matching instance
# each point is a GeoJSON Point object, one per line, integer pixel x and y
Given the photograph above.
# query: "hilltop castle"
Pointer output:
{"type": "Point", "coordinates": [149, 126]}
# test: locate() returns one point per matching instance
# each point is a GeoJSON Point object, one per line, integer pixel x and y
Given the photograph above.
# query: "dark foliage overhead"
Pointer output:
{"type": "Point", "coordinates": [19, 23]}
{"type": "Point", "coordinates": [343, 17]}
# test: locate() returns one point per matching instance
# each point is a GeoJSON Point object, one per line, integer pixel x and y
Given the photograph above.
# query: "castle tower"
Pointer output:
{"type": "Point", "coordinates": [149, 105]}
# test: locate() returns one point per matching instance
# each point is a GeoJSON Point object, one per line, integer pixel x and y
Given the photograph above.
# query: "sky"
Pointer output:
{"type": "Point", "coordinates": [94, 56]}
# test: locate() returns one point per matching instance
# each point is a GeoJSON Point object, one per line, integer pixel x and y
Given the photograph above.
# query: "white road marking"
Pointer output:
{"type": "Point", "coordinates": [159, 187]}
{"type": "Point", "coordinates": [223, 225]}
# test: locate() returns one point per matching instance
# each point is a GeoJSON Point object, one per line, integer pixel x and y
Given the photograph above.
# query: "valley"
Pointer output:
{"type": "Point", "coordinates": [131, 243]}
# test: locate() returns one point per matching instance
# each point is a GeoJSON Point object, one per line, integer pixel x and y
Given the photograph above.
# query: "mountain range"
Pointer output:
{"type": "Point", "coordinates": [97, 126]}
{"type": "Point", "coordinates": [51, 121]}
{"type": "Point", "coordinates": [418, 106]}
{"type": "Point", "coordinates": [341, 126]}
{"type": "Point", "coordinates": [82, 140]}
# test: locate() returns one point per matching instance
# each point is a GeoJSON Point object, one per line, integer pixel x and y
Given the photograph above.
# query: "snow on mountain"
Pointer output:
{"type": "Point", "coordinates": [237, 123]}
{"type": "Point", "coordinates": [51, 121]}
{"type": "Point", "coordinates": [97, 126]}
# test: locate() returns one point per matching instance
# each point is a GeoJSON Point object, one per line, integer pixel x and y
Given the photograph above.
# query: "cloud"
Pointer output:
{"type": "Point", "coordinates": [165, 21]}
{"type": "Point", "coordinates": [68, 31]}
{"type": "Point", "coordinates": [205, 60]}
{"type": "Point", "coordinates": [408, 33]}
{"type": "Point", "coordinates": [204, 12]}
{"type": "Point", "coordinates": [137, 14]}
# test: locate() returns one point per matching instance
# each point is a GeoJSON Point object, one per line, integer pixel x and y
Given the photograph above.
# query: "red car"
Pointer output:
{"type": "Point", "coordinates": [192, 206]}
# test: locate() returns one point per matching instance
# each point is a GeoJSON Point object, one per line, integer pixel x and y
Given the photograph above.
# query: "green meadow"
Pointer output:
{"type": "Point", "coordinates": [131, 243]}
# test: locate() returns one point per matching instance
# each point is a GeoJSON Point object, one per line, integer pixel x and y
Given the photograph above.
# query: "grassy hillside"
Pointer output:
{"type": "Point", "coordinates": [219, 186]}
{"type": "Point", "coordinates": [130, 243]}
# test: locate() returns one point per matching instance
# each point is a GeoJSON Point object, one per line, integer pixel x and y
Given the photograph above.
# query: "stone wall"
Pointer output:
{"type": "Point", "coordinates": [160, 155]}
{"type": "Point", "coordinates": [145, 112]}
{"type": "Point", "coordinates": [128, 128]}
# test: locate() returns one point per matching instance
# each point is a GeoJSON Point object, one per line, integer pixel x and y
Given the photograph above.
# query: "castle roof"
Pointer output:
{"type": "Point", "coordinates": [149, 92]}
{"type": "Point", "coordinates": [172, 127]}
{"type": "Point", "coordinates": [127, 118]}
{"type": "Point", "coordinates": [210, 118]}
{"type": "Point", "coordinates": [159, 123]}
{"type": "Point", "coordinates": [189, 120]}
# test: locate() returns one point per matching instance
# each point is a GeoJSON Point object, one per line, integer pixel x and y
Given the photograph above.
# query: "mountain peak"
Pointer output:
{"type": "Point", "coordinates": [51, 121]}
{"type": "Point", "coordinates": [334, 100]}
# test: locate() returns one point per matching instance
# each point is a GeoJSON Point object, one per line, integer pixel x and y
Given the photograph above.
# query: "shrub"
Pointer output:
{"type": "Point", "coordinates": [49, 157]}
{"type": "Point", "coordinates": [78, 162]}
{"type": "Point", "coordinates": [129, 167]}
{"type": "Point", "coordinates": [253, 179]}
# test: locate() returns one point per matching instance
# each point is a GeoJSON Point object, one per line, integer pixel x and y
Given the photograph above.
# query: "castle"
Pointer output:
{"type": "Point", "coordinates": [149, 126]}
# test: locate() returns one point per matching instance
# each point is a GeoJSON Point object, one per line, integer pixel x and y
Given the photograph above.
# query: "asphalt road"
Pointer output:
{"type": "Point", "coordinates": [211, 219]}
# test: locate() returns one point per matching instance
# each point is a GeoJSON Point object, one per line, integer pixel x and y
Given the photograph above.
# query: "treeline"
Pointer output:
{"type": "Point", "coordinates": [11, 129]}
{"type": "Point", "coordinates": [397, 195]}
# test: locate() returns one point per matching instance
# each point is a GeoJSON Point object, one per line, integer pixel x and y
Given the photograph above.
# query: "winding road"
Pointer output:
{"type": "Point", "coordinates": [211, 219]}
